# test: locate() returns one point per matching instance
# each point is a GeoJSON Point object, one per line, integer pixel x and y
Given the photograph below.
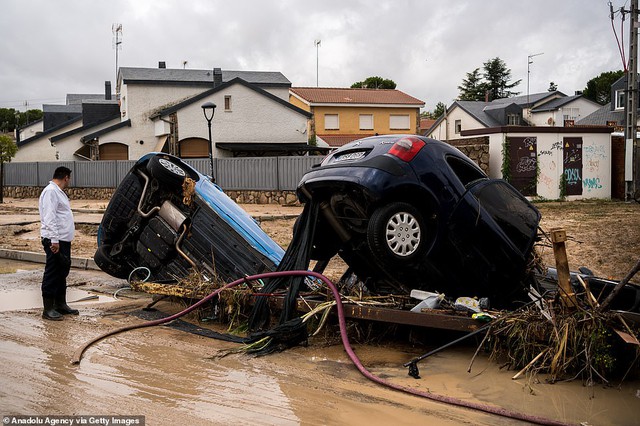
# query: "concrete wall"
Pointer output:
{"type": "Point", "coordinates": [596, 162]}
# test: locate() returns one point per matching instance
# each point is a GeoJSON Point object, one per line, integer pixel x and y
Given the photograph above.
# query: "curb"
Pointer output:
{"type": "Point", "coordinates": [29, 256]}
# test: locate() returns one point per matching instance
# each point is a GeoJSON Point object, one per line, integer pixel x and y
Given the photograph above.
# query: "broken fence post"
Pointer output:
{"type": "Point", "coordinates": [567, 295]}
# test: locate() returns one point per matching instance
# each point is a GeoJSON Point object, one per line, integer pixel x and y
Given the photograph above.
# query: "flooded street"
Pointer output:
{"type": "Point", "coordinates": [173, 377]}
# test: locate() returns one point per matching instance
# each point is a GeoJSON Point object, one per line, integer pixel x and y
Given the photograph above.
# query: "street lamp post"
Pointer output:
{"type": "Point", "coordinates": [209, 107]}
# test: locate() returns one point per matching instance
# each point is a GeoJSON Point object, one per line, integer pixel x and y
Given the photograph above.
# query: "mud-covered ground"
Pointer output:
{"type": "Point", "coordinates": [174, 377]}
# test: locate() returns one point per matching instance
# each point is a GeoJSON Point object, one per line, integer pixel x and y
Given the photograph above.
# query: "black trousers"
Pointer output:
{"type": "Point", "coordinates": [56, 270]}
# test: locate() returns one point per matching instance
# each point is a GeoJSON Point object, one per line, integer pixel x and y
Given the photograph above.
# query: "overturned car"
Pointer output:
{"type": "Point", "coordinates": [409, 212]}
{"type": "Point", "coordinates": [167, 217]}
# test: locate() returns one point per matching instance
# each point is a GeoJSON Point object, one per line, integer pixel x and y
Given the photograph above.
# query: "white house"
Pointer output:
{"type": "Point", "coordinates": [156, 110]}
{"type": "Point", "coordinates": [537, 109]}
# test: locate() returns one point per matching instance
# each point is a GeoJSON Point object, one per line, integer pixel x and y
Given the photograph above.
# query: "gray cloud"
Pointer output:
{"type": "Point", "coordinates": [50, 48]}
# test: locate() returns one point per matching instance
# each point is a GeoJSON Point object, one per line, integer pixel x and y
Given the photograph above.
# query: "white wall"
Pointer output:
{"type": "Point", "coordinates": [41, 149]}
{"type": "Point", "coordinates": [584, 106]}
{"type": "Point", "coordinates": [457, 113]}
{"type": "Point", "coordinates": [596, 162]}
{"type": "Point", "coordinates": [253, 118]}
{"type": "Point", "coordinates": [31, 130]}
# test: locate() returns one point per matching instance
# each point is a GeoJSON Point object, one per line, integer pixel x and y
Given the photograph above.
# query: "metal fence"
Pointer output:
{"type": "Point", "coordinates": [260, 173]}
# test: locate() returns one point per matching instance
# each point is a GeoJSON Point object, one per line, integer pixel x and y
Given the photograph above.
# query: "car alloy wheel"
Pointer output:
{"type": "Point", "coordinates": [396, 233]}
{"type": "Point", "coordinates": [403, 234]}
{"type": "Point", "coordinates": [166, 171]}
{"type": "Point", "coordinates": [173, 168]}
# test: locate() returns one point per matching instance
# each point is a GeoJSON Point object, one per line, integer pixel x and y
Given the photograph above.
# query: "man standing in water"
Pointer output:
{"type": "Point", "coordinates": [57, 231]}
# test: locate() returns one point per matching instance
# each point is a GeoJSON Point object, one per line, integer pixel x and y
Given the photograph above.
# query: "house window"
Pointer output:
{"type": "Point", "coordinates": [620, 99]}
{"type": "Point", "coordinates": [513, 119]}
{"type": "Point", "coordinates": [227, 103]}
{"type": "Point", "coordinates": [331, 122]}
{"type": "Point", "coordinates": [399, 122]}
{"type": "Point", "coordinates": [458, 126]}
{"type": "Point", "coordinates": [570, 113]}
{"type": "Point", "coordinates": [366, 121]}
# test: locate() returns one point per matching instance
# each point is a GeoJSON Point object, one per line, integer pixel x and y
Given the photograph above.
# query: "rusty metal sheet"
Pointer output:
{"type": "Point", "coordinates": [433, 319]}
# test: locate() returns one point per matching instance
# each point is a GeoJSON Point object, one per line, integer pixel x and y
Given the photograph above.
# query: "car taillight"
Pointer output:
{"type": "Point", "coordinates": [406, 148]}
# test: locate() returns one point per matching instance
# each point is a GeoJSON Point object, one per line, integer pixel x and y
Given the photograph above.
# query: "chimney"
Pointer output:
{"type": "Point", "coordinates": [162, 64]}
{"type": "Point", "coordinates": [107, 90]}
{"type": "Point", "coordinates": [217, 77]}
{"type": "Point", "coordinates": [578, 92]}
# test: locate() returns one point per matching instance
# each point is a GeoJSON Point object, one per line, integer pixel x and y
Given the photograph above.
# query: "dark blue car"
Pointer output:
{"type": "Point", "coordinates": [408, 212]}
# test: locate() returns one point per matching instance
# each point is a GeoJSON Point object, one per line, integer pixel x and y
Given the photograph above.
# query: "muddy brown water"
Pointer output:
{"type": "Point", "coordinates": [172, 377]}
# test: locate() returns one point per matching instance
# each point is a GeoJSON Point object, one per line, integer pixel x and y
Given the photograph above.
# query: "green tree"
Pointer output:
{"type": "Point", "coordinates": [599, 88]}
{"type": "Point", "coordinates": [498, 79]}
{"type": "Point", "coordinates": [374, 83]}
{"type": "Point", "coordinates": [8, 149]}
{"type": "Point", "coordinates": [472, 88]}
{"type": "Point", "coordinates": [436, 113]}
{"type": "Point", "coordinates": [10, 118]}
{"type": "Point", "coordinates": [552, 87]}
{"type": "Point", "coordinates": [439, 111]}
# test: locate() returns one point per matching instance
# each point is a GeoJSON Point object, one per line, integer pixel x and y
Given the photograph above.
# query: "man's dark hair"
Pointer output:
{"type": "Point", "coordinates": [61, 172]}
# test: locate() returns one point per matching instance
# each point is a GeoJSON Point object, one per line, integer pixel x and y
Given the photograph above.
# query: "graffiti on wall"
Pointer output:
{"type": "Point", "coordinates": [591, 184]}
{"type": "Point", "coordinates": [572, 160]}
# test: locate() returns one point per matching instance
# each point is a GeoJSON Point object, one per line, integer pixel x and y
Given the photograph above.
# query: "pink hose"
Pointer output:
{"type": "Point", "coordinates": [345, 342]}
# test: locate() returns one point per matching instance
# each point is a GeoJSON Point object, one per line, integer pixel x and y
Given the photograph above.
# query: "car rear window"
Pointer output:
{"type": "Point", "coordinates": [511, 212]}
{"type": "Point", "coordinates": [466, 172]}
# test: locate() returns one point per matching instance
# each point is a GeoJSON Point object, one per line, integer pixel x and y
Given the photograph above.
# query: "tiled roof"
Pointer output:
{"type": "Point", "coordinates": [320, 95]}
{"type": "Point", "coordinates": [602, 115]}
{"type": "Point", "coordinates": [335, 141]}
{"type": "Point", "coordinates": [167, 75]}
{"type": "Point", "coordinates": [556, 103]}
{"type": "Point", "coordinates": [526, 100]}
{"type": "Point", "coordinates": [426, 123]}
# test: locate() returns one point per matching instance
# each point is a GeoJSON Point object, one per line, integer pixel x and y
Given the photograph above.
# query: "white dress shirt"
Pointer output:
{"type": "Point", "coordinates": [55, 214]}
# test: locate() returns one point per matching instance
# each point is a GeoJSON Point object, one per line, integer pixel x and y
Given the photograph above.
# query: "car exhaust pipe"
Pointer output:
{"type": "Point", "coordinates": [331, 218]}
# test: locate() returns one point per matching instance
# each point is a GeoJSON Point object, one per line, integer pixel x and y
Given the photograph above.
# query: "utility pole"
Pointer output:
{"type": "Point", "coordinates": [631, 108]}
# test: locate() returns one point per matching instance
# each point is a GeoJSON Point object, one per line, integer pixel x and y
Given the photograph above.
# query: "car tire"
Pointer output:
{"type": "Point", "coordinates": [396, 233]}
{"type": "Point", "coordinates": [108, 265]}
{"type": "Point", "coordinates": [166, 171]}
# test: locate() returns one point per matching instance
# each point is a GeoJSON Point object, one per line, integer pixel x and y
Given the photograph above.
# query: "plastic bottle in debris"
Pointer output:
{"type": "Point", "coordinates": [471, 304]}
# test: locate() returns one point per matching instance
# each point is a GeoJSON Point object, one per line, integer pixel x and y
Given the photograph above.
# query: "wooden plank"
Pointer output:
{"type": "Point", "coordinates": [558, 238]}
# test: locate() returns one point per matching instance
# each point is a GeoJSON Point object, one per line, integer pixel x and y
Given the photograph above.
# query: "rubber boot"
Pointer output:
{"type": "Point", "coordinates": [49, 311]}
{"type": "Point", "coordinates": [62, 307]}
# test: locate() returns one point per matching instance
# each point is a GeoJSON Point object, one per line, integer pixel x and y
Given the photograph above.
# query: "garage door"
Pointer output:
{"type": "Point", "coordinates": [114, 151]}
{"type": "Point", "coordinates": [194, 148]}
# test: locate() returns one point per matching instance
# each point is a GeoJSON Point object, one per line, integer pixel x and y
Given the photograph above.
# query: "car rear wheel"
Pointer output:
{"type": "Point", "coordinates": [166, 171]}
{"type": "Point", "coordinates": [396, 233]}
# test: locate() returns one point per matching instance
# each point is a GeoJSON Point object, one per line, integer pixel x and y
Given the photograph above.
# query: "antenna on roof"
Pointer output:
{"type": "Point", "coordinates": [317, 44]}
{"type": "Point", "coordinates": [529, 62]}
{"type": "Point", "coordinates": [116, 29]}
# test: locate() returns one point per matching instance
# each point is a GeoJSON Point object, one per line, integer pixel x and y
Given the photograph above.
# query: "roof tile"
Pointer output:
{"type": "Point", "coordinates": [355, 96]}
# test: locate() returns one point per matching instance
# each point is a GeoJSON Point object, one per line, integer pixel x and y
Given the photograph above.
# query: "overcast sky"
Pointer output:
{"type": "Point", "coordinates": [51, 48]}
